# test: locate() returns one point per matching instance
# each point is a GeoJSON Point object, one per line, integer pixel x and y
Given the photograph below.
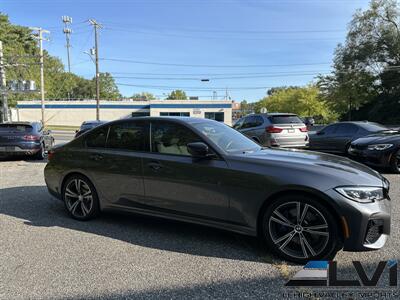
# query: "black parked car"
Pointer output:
{"type": "Point", "coordinates": [336, 138]}
{"type": "Point", "coordinates": [87, 125]}
{"type": "Point", "coordinates": [25, 138]}
{"type": "Point", "coordinates": [303, 205]}
{"type": "Point", "coordinates": [380, 150]}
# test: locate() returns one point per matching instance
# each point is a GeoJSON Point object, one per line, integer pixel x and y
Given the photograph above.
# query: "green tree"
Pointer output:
{"type": "Point", "coordinates": [303, 101]}
{"type": "Point", "coordinates": [108, 88]}
{"type": "Point", "coordinates": [177, 95]}
{"type": "Point", "coordinates": [366, 66]}
{"type": "Point", "coordinates": [143, 96]}
{"type": "Point", "coordinates": [22, 50]}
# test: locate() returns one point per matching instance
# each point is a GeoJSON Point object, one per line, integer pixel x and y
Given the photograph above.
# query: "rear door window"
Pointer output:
{"type": "Point", "coordinates": [346, 129]}
{"type": "Point", "coordinates": [97, 138]}
{"type": "Point", "coordinates": [285, 119]}
{"type": "Point", "coordinates": [129, 136]}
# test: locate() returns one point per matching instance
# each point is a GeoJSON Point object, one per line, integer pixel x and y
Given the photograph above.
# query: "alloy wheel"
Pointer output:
{"type": "Point", "coordinates": [78, 198]}
{"type": "Point", "coordinates": [299, 230]}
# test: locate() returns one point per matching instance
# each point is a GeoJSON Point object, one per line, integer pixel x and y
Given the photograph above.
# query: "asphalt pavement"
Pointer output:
{"type": "Point", "coordinates": [44, 254]}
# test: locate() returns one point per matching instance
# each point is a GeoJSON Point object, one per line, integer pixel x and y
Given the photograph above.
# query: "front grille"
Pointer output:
{"type": "Point", "coordinates": [374, 231]}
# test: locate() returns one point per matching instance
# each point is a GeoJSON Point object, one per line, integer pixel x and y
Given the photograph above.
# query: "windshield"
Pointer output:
{"type": "Point", "coordinates": [226, 138]}
{"type": "Point", "coordinates": [374, 127]}
{"type": "Point", "coordinates": [285, 119]}
{"type": "Point", "coordinates": [15, 128]}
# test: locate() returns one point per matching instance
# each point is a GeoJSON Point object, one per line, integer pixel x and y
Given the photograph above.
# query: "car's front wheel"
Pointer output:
{"type": "Point", "coordinates": [300, 229]}
{"type": "Point", "coordinates": [80, 198]}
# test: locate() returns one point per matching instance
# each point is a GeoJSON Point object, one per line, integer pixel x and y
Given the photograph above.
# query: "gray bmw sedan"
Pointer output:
{"type": "Point", "coordinates": [303, 205]}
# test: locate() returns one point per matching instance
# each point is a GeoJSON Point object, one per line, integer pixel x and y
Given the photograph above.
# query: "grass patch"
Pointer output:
{"type": "Point", "coordinates": [62, 127]}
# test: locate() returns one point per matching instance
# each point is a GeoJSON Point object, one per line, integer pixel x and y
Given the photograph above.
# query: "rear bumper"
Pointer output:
{"type": "Point", "coordinates": [368, 224]}
{"type": "Point", "coordinates": [20, 149]}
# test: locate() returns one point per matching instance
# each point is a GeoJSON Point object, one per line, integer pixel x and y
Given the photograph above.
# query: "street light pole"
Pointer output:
{"type": "Point", "coordinates": [3, 87]}
{"type": "Point", "coordinates": [40, 37]}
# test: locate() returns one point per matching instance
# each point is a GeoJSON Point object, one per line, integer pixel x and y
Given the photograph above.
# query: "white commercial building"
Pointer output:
{"type": "Point", "coordinates": [73, 113]}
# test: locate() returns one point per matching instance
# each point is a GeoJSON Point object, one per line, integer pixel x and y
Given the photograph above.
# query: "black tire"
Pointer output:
{"type": "Point", "coordinates": [80, 198]}
{"type": "Point", "coordinates": [40, 155]}
{"type": "Point", "coordinates": [395, 162]}
{"type": "Point", "coordinates": [301, 244]}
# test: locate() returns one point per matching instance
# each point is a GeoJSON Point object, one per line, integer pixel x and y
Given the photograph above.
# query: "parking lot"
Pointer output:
{"type": "Point", "coordinates": [46, 254]}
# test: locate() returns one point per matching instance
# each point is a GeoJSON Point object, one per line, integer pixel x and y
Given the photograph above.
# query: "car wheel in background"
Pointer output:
{"type": "Point", "coordinates": [300, 229]}
{"type": "Point", "coordinates": [80, 198]}
{"type": "Point", "coordinates": [395, 162]}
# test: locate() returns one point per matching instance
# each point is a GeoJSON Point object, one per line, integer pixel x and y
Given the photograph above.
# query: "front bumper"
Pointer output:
{"type": "Point", "coordinates": [371, 157]}
{"type": "Point", "coordinates": [368, 223]}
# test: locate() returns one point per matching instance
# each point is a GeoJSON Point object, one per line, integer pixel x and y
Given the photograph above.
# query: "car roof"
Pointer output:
{"type": "Point", "coordinates": [20, 123]}
{"type": "Point", "coordinates": [174, 118]}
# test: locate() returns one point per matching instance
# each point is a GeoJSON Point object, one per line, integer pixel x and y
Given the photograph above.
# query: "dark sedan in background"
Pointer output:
{"type": "Point", "coordinates": [336, 138]}
{"type": "Point", "coordinates": [25, 138]}
{"type": "Point", "coordinates": [303, 205]}
{"type": "Point", "coordinates": [378, 150]}
{"type": "Point", "coordinates": [87, 125]}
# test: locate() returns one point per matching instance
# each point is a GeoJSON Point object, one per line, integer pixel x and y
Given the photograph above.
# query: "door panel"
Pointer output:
{"type": "Point", "coordinates": [181, 185]}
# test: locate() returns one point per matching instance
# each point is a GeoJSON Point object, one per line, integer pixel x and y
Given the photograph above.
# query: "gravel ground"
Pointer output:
{"type": "Point", "coordinates": [46, 255]}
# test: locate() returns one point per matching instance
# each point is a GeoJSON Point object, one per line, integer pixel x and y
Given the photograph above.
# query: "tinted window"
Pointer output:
{"type": "Point", "coordinates": [346, 129]}
{"type": "Point", "coordinates": [329, 129]}
{"type": "Point", "coordinates": [249, 122]}
{"type": "Point", "coordinates": [97, 138]}
{"type": "Point", "coordinates": [258, 120]}
{"type": "Point", "coordinates": [15, 128]}
{"type": "Point", "coordinates": [238, 123]}
{"type": "Point", "coordinates": [170, 138]}
{"type": "Point", "coordinates": [128, 136]}
{"type": "Point", "coordinates": [285, 119]}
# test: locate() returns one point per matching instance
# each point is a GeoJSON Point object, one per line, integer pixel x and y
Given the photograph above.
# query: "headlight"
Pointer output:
{"type": "Point", "coordinates": [362, 194]}
{"type": "Point", "coordinates": [379, 147]}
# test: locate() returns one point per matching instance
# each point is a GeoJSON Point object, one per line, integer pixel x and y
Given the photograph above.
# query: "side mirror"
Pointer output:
{"type": "Point", "coordinates": [198, 149]}
{"type": "Point", "coordinates": [76, 131]}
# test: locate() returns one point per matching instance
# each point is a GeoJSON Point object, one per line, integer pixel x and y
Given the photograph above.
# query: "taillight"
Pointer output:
{"type": "Point", "coordinates": [50, 155]}
{"type": "Point", "coordinates": [31, 138]}
{"type": "Point", "coordinates": [303, 129]}
{"type": "Point", "coordinates": [272, 129]}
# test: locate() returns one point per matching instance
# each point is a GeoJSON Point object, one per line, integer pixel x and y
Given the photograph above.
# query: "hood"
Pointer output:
{"type": "Point", "coordinates": [392, 137]}
{"type": "Point", "coordinates": [340, 170]}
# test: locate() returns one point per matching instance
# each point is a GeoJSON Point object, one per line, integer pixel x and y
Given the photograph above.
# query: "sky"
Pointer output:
{"type": "Point", "coordinates": [243, 47]}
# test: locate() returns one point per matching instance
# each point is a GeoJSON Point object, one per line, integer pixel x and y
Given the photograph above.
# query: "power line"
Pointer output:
{"type": "Point", "coordinates": [163, 87]}
{"type": "Point", "coordinates": [209, 66]}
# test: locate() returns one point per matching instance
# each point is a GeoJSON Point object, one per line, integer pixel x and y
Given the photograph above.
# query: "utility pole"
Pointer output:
{"type": "Point", "coordinates": [96, 26]}
{"type": "Point", "coordinates": [3, 87]}
{"type": "Point", "coordinates": [39, 36]}
{"type": "Point", "coordinates": [67, 31]}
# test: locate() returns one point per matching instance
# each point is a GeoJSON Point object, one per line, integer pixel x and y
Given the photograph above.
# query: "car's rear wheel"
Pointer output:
{"type": "Point", "coordinates": [80, 198]}
{"type": "Point", "coordinates": [300, 229]}
{"type": "Point", "coordinates": [395, 162]}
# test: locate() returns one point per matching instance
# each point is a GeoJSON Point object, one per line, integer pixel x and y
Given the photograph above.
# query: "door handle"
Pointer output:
{"type": "Point", "coordinates": [96, 157]}
{"type": "Point", "coordinates": [155, 165]}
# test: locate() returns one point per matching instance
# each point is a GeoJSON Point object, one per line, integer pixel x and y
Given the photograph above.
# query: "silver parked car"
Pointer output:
{"type": "Point", "coordinates": [274, 129]}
